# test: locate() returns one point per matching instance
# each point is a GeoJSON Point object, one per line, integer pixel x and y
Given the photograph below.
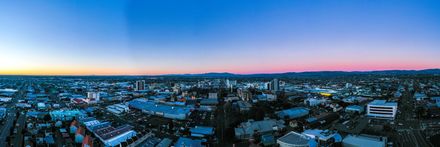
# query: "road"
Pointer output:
{"type": "Point", "coordinates": [5, 132]}
{"type": "Point", "coordinates": [410, 134]}
{"type": "Point", "coordinates": [11, 116]}
{"type": "Point", "coordinates": [18, 140]}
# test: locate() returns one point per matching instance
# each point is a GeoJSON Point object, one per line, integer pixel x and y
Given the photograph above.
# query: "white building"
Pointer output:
{"type": "Point", "coordinates": [93, 95]}
{"type": "Point", "coordinates": [118, 109]}
{"type": "Point", "coordinates": [382, 109]}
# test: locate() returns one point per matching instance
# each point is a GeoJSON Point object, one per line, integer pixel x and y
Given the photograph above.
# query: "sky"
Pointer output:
{"type": "Point", "coordinates": [82, 37]}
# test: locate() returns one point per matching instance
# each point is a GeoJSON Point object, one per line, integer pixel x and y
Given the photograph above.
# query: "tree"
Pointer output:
{"type": "Point", "coordinates": [47, 117]}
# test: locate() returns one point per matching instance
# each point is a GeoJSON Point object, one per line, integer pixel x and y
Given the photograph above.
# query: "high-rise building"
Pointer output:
{"type": "Point", "coordinates": [140, 85]}
{"type": "Point", "coordinates": [274, 85]}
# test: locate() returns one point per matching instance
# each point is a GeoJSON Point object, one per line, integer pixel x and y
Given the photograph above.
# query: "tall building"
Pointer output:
{"type": "Point", "coordinates": [140, 85]}
{"type": "Point", "coordinates": [93, 95]}
{"type": "Point", "coordinates": [382, 109]}
{"type": "Point", "coordinates": [230, 83]}
{"type": "Point", "coordinates": [274, 85]}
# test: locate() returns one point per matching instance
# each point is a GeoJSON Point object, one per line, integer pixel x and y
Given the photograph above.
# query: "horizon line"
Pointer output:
{"type": "Point", "coordinates": [177, 74]}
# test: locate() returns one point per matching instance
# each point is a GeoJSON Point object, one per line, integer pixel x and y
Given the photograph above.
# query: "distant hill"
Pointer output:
{"type": "Point", "coordinates": [262, 75]}
{"type": "Point", "coordinates": [315, 74]}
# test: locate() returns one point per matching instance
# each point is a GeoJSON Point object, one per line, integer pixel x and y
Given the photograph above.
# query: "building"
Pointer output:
{"type": "Point", "coordinates": [79, 135]}
{"type": "Point", "coordinates": [322, 119]}
{"type": "Point", "coordinates": [187, 142]}
{"type": "Point", "coordinates": [87, 141]}
{"type": "Point", "coordinates": [140, 85]}
{"type": "Point", "coordinates": [93, 95]}
{"type": "Point", "coordinates": [65, 115]}
{"type": "Point", "coordinates": [73, 127]}
{"type": "Point", "coordinates": [149, 107]}
{"type": "Point", "coordinates": [245, 95]}
{"type": "Point", "coordinates": [420, 96]}
{"type": "Point", "coordinates": [231, 83]}
{"type": "Point", "coordinates": [354, 109]}
{"type": "Point", "coordinates": [243, 106]}
{"type": "Point", "coordinates": [382, 109]}
{"type": "Point", "coordinates": [41, 106]}
{"type": "Point", "coordinates": [364, 141]}
{"type": "Point", "coordinates": [213, 95]}
{"type": "Point", "coordinates": [293, 139]}
{"type": "Point", "coordinates": [267, 126]}
{"type": "Point", "coordinates": [293, 113]}
{"type": "Point", "coordinates": [201, 131]}
{"type": "Point", "coordinates": [324, 138]}
{"type": "Point", "coordinates": [5, 99]}
{"type": "Point", "coordinates": [88, 121]}
{"type": "Point", "coordinates": [274, 85]}
{"type": "Point", "coordinates": [111, 136]}
{"type": "Point", "coordinates": [118, 109]}
{"type": "Point", "coordinates": [2, 112]}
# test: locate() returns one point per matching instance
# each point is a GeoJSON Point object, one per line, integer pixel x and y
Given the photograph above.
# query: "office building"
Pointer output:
{"type": "Point", "coordinates": [382, 109]}
{"type": "Point", "coordinates": [140, 85]}
{"type": "Point", "coordinates": [274, 85]}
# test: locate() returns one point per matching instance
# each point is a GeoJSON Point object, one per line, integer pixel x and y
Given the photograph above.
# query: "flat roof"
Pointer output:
{"type": "Point", "coordinates": [383, 103]}
{"type": "Point", "coordinates": [295, 139]}
{"type": "Point", "coordinates": [156, 107]}
{"type": "Point", "coordinates": [363, 140]}
{"type": "Point", "coordinates": [202, 130]}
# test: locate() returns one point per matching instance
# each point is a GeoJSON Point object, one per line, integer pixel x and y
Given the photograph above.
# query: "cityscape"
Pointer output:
{"type": "Point", "coordinates": [384, 108]}
{"type": "Point", "coordinates": [199, 73]}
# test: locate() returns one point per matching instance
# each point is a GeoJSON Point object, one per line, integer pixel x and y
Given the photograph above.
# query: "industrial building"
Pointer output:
{"type": "Point", "coordinates": [111, 136]}
{"type": "Point", "coordinates": [293, 139]}
{"type": "Point", "coordinates": [364, 141]}
{"type": "Point", "coordinates": [247, 129]}
{"type": "Point", "coordinates": [118, 109]}
{"type": "Point", "coordinates": [201, 131]}
{"type": "Point", "coordinates": [293, 113]}
{"type": "Point", "coordinates": [149, 107]}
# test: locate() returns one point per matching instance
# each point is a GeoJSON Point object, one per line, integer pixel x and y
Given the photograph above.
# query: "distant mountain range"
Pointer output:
{"type": "Point", "coordinates": [268, 75]}
{"type": "Point", "coordinates": [313, 74]}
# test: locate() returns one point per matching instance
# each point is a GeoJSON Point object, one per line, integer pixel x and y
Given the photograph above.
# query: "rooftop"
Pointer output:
{"type": "Point", "coordinates": [383, 103]}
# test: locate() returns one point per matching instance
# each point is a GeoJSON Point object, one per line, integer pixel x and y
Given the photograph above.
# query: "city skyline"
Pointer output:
{"type": "Point", "coordinates": [155, 38]}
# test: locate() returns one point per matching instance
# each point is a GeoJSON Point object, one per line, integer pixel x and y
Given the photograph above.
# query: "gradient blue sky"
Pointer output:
{"type": "Point", "coordinates": [161, 37]}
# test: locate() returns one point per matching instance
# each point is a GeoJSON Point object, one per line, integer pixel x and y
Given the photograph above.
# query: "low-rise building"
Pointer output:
{"type": "Point", "coordinates": [354, 108]}
{"type": "Point", "coordinates": [382, 109]}
{"type": "Point", "coordinates": [149, 107]}
{"type": "Point", "coordinates": [118, 109]}
{"type": "Point", "coordinates": [293, 139]}
{"type": "Point", "coordinates": [364, 141]}
{"type": "Point", "coordinates": [65, 115]}
{"type": "Point", "coordinates": [111, 136]}
{"type": "Point", "coordinates": [201, 131]}
{"type": "Point", "coordinates": [293, 113]}
{"type": "Point", "coordinates": [247, 129]}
